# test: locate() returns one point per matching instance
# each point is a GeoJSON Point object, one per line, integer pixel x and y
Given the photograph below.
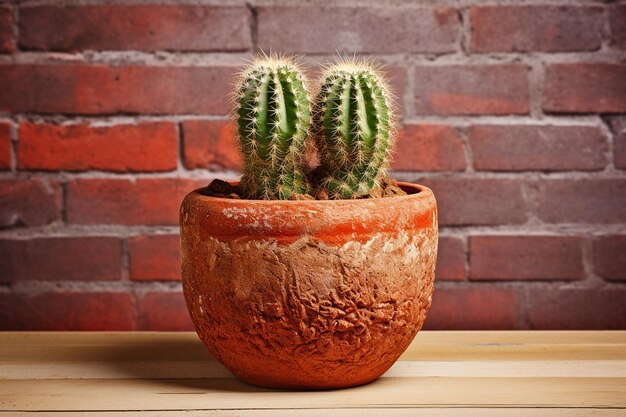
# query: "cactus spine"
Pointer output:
{"type": "Point", "coordinates": [354, 127]}
{"type": "Point", "coordinates": [273, 116]}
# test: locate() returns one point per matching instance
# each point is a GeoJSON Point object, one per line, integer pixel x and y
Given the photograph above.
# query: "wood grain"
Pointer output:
{"type": "Point", "coordinates": [441, 374]}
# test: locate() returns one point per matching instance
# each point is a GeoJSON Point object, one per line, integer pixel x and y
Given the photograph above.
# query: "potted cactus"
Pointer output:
{"type": "Point", "coordinates": [312, 279]}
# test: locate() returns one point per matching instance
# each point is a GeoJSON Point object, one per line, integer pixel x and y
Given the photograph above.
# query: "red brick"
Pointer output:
{"type": "Point", "coordinates": [328, 29]}
{"type": "Point", "coordinates": [585, 88]}
{"type": "Point", "coordinates": [617, 17]}
{"type": "Point", "coordinates": [136, 27]}
{"type": "Point", "coordinates": [142, 147]}
{"type": "Point", "coordinates": [577, 309]}
{"type": "Point", "coordinates": [61, 258]}
{"type": "Point", "coordinates": [536, 28]}
{"type": "Point", "coordinates": [155, 257]}
{"type": "Point", "coordinates": [463, 201]}
{"type": "Point", "coordinates": [425, 147]}
{"type": "Point", "coordinates": [609, 257]}
{"type": "Point", "coordinates": [536, 147]}
{"type": "Point", "coordinates": [451, 259]}
{"type": "Point", "coordinates": [474, 308]}
{"type": "Point", "coordinates": [164, 311]}
{"type": "Point", "coordinates": [7, 44]}
{"type": "Point", "coordinates": [29, 202]}
{"type": "Point", "coordinates": [581, 201]}
{"type": "Point", "coordinates": [67, 311]}
{"type": "Point", "coordinates": [210, 144]}
{"type": "Point", "coordinates": [471, 89]}
{"type": "Point", "coordinates": [526, 258]}
{"type": "Point", "coordinates": [150, 201]}
{"type": "Point", "coordinates": [100, 89]}
{"type": "Point", "coordinates": [5, 146]}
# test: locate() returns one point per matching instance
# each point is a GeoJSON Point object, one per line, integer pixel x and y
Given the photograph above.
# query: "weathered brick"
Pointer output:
{"type": "Point", "coordinates": [577, 309]}
{"type": "Point", "coordinates": [61, 258]}
{"type": "Point", "coordinates": [164, 311]}
{"type": "Point", "coordinates": [7, 44]}
{"type": "Point", "coordinates": [465, 201]}
{"type": "Point", "coordinates": [536, 28]}
{"type": "Point", "coordinates": [585, 88]}
{"type": "Point", "coordinates": [210, 144]}
{"type": "Point", "coordinates": [475, 308]}
{"type": "Point", "coordinates": [618, 128]}
{"type": "Point", "coordinates": [67, 311]}
{"type": "Point", "coordinates": [619, 151]}
{"type": "Point", "coordinates": [617, 17]}
{"type": "Point", "coordinates": [142, 147]}
{"type": "Point", "coordinates": [5, 146]}
{"type": "Point", "coordinates": [526, 258]}
{"type": "Point", "coordinates": [451, 259]}
{"type": "Point", "coordinates": [617, 123]}
{"type": "Point", "coordinates": [427, 147]}
{"type": "Point", "coordinates": [471, 89]}
{"type": "Point", "coordinates": [386, 29]}
{"type": "Point", "coordinates": [29, 202]}
{"type": "Point", "coordinates": [155, 257]}
{"type": "Point", "coordinates": [101, 89]}
{"type": "Point", "coordinates": [136, 27]}
{"type": "Point", "coordinates": [609, 257]}
{"type": "Point", "coordinates": [581, 201]}
{"type": "Point", "coordinates": [537, 147]}
{"type": "Point", "coordinates": [150, 201]}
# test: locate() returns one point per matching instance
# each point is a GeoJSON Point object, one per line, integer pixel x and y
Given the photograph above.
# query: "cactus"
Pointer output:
{"type": "Point", "coordinates": [354, 126]}
{"type": "Point", "coordinates": [273, 117]}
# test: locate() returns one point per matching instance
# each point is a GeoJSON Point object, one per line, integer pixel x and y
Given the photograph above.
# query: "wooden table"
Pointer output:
{"type": "Point", "coordinates": [441, 374]}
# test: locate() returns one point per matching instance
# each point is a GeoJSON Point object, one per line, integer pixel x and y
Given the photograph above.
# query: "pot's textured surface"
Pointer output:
{"type": "Point", "coordinates": [309, 294]}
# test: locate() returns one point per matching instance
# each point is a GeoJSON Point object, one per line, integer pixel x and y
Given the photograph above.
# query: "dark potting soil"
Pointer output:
{"type": "Point", "coordinates": [218, 188]}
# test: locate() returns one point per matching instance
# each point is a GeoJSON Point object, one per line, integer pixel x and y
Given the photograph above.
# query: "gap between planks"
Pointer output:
{"type": "Point", "coordinates": [347, 412]}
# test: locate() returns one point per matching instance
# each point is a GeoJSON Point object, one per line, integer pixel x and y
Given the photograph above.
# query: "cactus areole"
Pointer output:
{"type": "Point", "coordinates": [300, 279]}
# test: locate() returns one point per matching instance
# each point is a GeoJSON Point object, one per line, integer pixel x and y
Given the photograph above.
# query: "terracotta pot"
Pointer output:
{"type": "Point", "coordinates": [309, 294]}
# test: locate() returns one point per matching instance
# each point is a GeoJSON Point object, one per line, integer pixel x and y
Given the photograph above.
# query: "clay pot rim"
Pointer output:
{"type": "Point", "coordinates": [419, 192]}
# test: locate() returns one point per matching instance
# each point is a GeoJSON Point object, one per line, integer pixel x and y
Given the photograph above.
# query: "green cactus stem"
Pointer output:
{"type": "Point", "coordinates": [273, 117]}
{"type": "Point", "coordinates": [355, 128]}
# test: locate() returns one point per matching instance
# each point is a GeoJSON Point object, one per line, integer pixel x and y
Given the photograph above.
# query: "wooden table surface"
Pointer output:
{"type": "Point", "coordinates": [441, 374]}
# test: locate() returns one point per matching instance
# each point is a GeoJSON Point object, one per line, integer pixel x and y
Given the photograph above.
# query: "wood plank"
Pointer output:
{"type": "Point", "coordinates": [183, 394]}
{"type": "Point", "coordinates": [348, 412]}
{"type": "Point", "coordinates": [402, 369]}
{"type": "Point", "coordinates": [182, 355]}
{"type": "Point", "coordinates": [442, 373]}
{"type": "Point", "coordinates": [427, 346]}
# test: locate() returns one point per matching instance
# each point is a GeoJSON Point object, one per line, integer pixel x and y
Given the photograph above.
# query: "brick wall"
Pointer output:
{"type": "Point", "coordinates": [513, 112]}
